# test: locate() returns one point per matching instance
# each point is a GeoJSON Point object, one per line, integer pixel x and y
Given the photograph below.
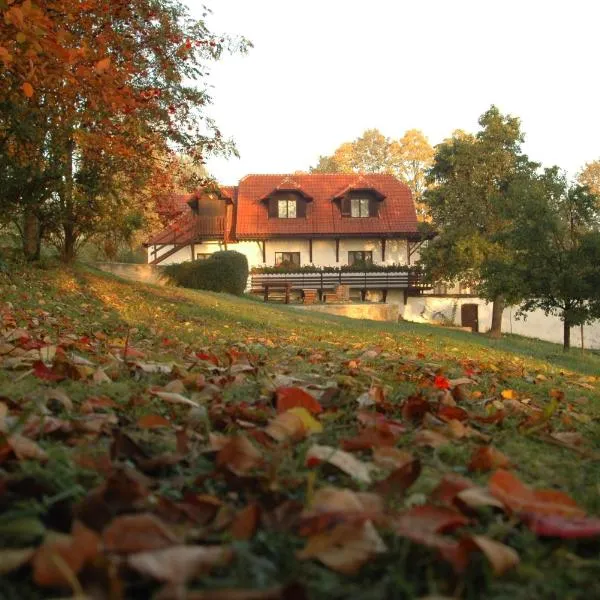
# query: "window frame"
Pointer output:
{"type": "Point", "coordinates": [287, 202]}
{"type": "Point", "coordinates": [366, 258]}
{"type": "Point", "coordinates": [360, 202]}
{"type": "Point", "coordinates": [203, 255]}
{"type": "Point", "coordinates": [286, 260]}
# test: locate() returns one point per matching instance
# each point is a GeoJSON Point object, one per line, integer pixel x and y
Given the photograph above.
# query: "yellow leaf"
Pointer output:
{"type": "Point", "coordinates": [309, 422]}
{"type": "Point", "coordinates": [509, 394]}
{"type": "Point", "coordinates": [27, 89]}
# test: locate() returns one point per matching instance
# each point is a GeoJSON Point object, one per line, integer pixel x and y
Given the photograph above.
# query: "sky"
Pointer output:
{"type": "Point", "coordinates": [323, 71]}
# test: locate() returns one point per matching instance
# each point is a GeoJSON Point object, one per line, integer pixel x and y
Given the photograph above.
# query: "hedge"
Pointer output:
{"type": "Point", "coordinates": [225, 271]}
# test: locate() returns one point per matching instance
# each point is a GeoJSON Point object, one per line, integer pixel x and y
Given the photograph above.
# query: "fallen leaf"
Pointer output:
{"type": "Point", "coordinates": [26, 449]}
{"type": "Point", "coordinates": [430, 518]}
{"type": "Point", "coordinates": [433, 439]}
{"type": "Point", "coordinates": [399, 480]}
{"type": "Point", "coordinates": [563, 527]}
{"type": "Point", "coordinates": [501, 557]}
{"type": "Point", "coordinates": [153, 422]}
{"type": "Point", "coordinates": [245, 523]}
{"type": "Point", "coordinates": [239, 455]}
{"type": "Point", "coordinates": [293, 425]}
{"type": "Point", "coordinates": [27, 89]}
{"type": "Point", "coordinates": [12, 559]}
{"type": "Point", "coordinates": [488, 458]}
{"type": "Point", "coordinates": [342, 460]}
{"type": "Point", "coordinates": [391, 458]}
{"type": "Point", "coordinates": [293, 397]}
{"type": "Point", "coordinates": [179, 564]}
{"type": "Point", "coordinates": [137, 533]}
{"type": "Point", "coordinates": [509, 394]}
{"type": "Point", "coordinates": [173, 398]}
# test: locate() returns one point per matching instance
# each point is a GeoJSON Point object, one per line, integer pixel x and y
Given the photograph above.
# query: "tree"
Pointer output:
{"type": "Point", "coordinates": [109, 90]}
{"type": "Point", "coordinates": [407, 159]}
{"type": "Point", "coordinates": [469, 189]}
{"type": "Point", "coordinates": [556, 249]}
{"type": "Point", "coordinates": [590, 177]}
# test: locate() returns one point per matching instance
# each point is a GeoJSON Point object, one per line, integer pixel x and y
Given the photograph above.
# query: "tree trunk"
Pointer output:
{"type": "Point", "coordinates": [566, 335]}
{"type": "Point", "coordinates": [31, 235]}
{"type": "Point", "coordinates": [68, 253]}
{"type": "Point", "coordinates": [68, 224]}
{"type": "Point", "coordinates": [497, 310]}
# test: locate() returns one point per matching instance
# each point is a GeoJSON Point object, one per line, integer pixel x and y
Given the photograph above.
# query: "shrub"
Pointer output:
{"type": "Point", "coordinates": [225, 271]}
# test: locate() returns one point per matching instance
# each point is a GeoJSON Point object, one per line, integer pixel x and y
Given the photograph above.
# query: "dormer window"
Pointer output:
{"type": "Point", "coordinates": [360, 207]}
{"type": "Point", "coordinates": [286, 209]}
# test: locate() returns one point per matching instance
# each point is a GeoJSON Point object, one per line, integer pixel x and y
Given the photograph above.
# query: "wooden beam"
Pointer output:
{"type": "Point", "coordinates": [383, 249]}
{"type": "Point", "coordinates": [408, 253]}
{"type": "Point", "coordinates": [337, 250]}
{"type": "Point", "coordinates": [310, 254]}
{"type": "Point", "coordinates": [264, 251]}
{"type": "Point", "coordinates": [192, 250]}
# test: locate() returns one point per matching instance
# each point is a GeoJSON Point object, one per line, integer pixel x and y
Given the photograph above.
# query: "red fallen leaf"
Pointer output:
{"type": "Point", "coordinates": [153, 422]}
{"type": "Point", "coordinates": [245, 523]}
{"type": "Point", "coordinates": [313, 461]}
{"type": "Point", "coordinates": [369, 438]}
{"type": "Point", "coordinates": [432, 519]}
{"type": "Point", "coordinates": [563, 527]}
{"type": "Point", "coordinates": [55, 560]}
{"type": "Point", "coordinates": [380, 422]}
{"type": "Point", "coordinates": [208, 357]}
{"type": "Point", "coordinates": [399, 480]}
{"type": "Point", "coordinates": [487, 458]}
{"type": "Point", "coordinates": [449, 487]}
{"type": "Point", "coordinates": [292, 397]}
{"type": "Point", "coordinates": [449, 413]}
{"type": "Point", "coordinates": [137, 533]}
{"type": "Point", "coordinates": [94, 402]}
{"type": "Point", "coordinates": [521, 499]}
{"type": "Point", "coordinates": [132, 352]}
{"type": "Point", "coordinates": [414, 408]}
{"type": "Point", "coordinates": [41, 371]}
{"type": "Point", "coordinates": [441, 382]}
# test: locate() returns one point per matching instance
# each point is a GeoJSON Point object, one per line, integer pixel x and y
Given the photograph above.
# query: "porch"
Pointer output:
{"type": "Point", "coordinates": [306, 287]}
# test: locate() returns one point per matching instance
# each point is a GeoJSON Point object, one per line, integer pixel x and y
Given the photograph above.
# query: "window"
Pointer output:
{"type": "Point", "coordinates": [286, 209]}
{"type": "Point", "coordinates": [287, 259]}
{"type": "Point", "coordinates": [203, 255]}
{"type": "Point", "coordinates": [359, 207]}
{"type": "Point", "coordinates": [360, 257]}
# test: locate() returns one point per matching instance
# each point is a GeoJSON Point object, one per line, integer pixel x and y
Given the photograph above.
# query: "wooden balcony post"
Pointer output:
{"type": "Point", "coordinates": [337, 250]}
{"type": "Point", "coordinates": [383, 249]}
{"type": "Point", "coordinates": [310, 252]}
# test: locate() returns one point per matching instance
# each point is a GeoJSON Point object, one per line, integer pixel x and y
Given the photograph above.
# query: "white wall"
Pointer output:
{"type": "Point", "coordinates": [425, 309]}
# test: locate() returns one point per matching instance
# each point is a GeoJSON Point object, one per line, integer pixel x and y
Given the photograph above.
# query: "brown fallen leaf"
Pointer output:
{"type": "Point", "coordinates": [342, 460]}
{"type": "Point", "coordinates": [137, 533]}
{"type": "Point", "coordinates": [179, 564]}
{"type": "Point", "coordinates": [569, 438]}
{"type": "Point", "coordinates": [293, 425]}
{"type": "Point", "coordinates": [501, 557]}
{"type": "Point", "coordinates": [488, 458]}
{"type": "Point", "coordinates": [239, 455]}
{"type": "Point", "coordinates": [60, 558]}
{"type": "Point", "coordinates": [399, 480]}
{"type": "Point", "coordinates": [245, 523]}
{"type": "Point", "coordinates": [391, 458]}
{"type": "Point", "coordinates": [433, 439]}
{"type": "Point", "coordinates": [26, 449]}
{"type": "Point", "coordinates": [346, 548]}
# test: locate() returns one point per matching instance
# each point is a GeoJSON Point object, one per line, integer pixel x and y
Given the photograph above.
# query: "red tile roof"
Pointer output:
{"type": "Point", "coordinates": [248, 217]}
{"type": "Point", "coordinates": [397, 214]}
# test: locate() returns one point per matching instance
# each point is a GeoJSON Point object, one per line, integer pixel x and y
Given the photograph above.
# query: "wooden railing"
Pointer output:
{"type": "Point", "coordinates": [364, 280]}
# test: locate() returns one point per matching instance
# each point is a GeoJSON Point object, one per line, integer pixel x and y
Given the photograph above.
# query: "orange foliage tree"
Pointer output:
{"type": "Point", "coordinates": [97, 100]}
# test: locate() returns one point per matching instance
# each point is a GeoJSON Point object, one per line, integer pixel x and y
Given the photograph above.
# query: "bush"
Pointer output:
{"type": "Point", "coordinates": [225, 271]}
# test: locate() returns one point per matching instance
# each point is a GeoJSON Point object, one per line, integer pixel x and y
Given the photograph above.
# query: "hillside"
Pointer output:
{"type": "Point", "coordinates": [158, 439]}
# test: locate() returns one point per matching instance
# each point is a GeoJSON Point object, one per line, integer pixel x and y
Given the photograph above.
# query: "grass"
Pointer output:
{"type": "Point", "coordinates": [167, 324]}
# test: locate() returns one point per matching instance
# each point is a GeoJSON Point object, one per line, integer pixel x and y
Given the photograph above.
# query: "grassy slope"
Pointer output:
{"type": "Point", "coordinates": [283, 340]}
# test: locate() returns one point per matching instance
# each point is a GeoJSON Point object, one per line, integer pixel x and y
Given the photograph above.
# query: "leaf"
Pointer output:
{"type": "Point", "coordinates": [12, 559]}
{"type": "Point", "coordinates": [26, 449]}
{"type": "Point", "coordinates": [239, 455]}
{"type": "Point", "coordinates": [293, 425]}
{"type": "Point", "coordinates": [59, 560]}
{"type": "Point", "coordinates": [449, 413]}
{"type": "Point", "coordinates": [128, 534]}
{"type": "Point", "coordinates": [180, 564]}
{"type": "Point", "coordinates": [441, 382]}
{"type": "Point", "coordinates": [27, 89]}
{"type": "Point", "coordinates": [41, 371]}
{"type": "Point", "coordinates": [100, 376]}
{"type": "Point", "coordinates": [563, 527]}
{"type": "Point", "coordinates": [245, 523]}
{"type": "Point", "coordinates": [487, 458]}
{"type": "Point", "coordinates": [173, 398]}
{"type": "Point", "coordinates": [153, 422]}
{"type": "Point", "coordinates": [292, 397]}
{"type": "Point", "coordinates": [476, 497]}
{"type": "Point", "coordinates": [501, 557]}
{"type": "Point", "coordinates": [375, 395]}
{"type": "Point", "coordinates": [415, 408]}
{"type": "Point", "coordinates": [342, 460]}
{"type": "Point", "coordinates": [391, 458]}
{"type": "Point", "coordinates": [509, 394]}
{"type": "Point", "coordinates": [400, 479]}
{"type": "Point", "coordinates": [433, 439]}
{"type": "Point", "coordinates": [369, 438]}
{"type": "Point", "coordinates": [521, 499]}
{"type": "Point", "coordinates": [103, 65]}
{"type": "Point", "coordinates": [430, 518]}
{"type": "Point", "coordinates": [346, 548]}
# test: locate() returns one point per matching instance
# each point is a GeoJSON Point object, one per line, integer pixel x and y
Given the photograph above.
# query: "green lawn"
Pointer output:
{"type": "Point", "coordinates": [96, 428]}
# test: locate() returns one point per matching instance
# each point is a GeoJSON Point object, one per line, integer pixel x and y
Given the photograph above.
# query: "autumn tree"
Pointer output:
{"type": "Point", "coordinates": [590, 177]}
{"type": "Point", "coordinates": [407, 159]}
{"type": "Point", "coordinates": [555, 244]}
{"type": "Point", "coordinates": [470, 186]}
{"type": "Point", "coordinates": [109, 90]}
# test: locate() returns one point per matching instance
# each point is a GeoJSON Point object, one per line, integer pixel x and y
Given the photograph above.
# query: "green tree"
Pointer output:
{"type": "Point", "coordinates": [555, 243]}
{"type": "Point", "coordinates": [470, 185]}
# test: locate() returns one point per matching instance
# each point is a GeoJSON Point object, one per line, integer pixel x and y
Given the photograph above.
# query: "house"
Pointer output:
{"type": "Point", "coordinates": [319, 219]}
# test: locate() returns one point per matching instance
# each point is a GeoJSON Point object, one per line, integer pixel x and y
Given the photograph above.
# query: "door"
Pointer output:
{"type": "Point", "coordinates": [469, 316]}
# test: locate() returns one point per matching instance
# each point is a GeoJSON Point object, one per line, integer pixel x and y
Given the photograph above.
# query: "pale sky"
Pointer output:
{"type": "Point", "coordinates": [323, 71]}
